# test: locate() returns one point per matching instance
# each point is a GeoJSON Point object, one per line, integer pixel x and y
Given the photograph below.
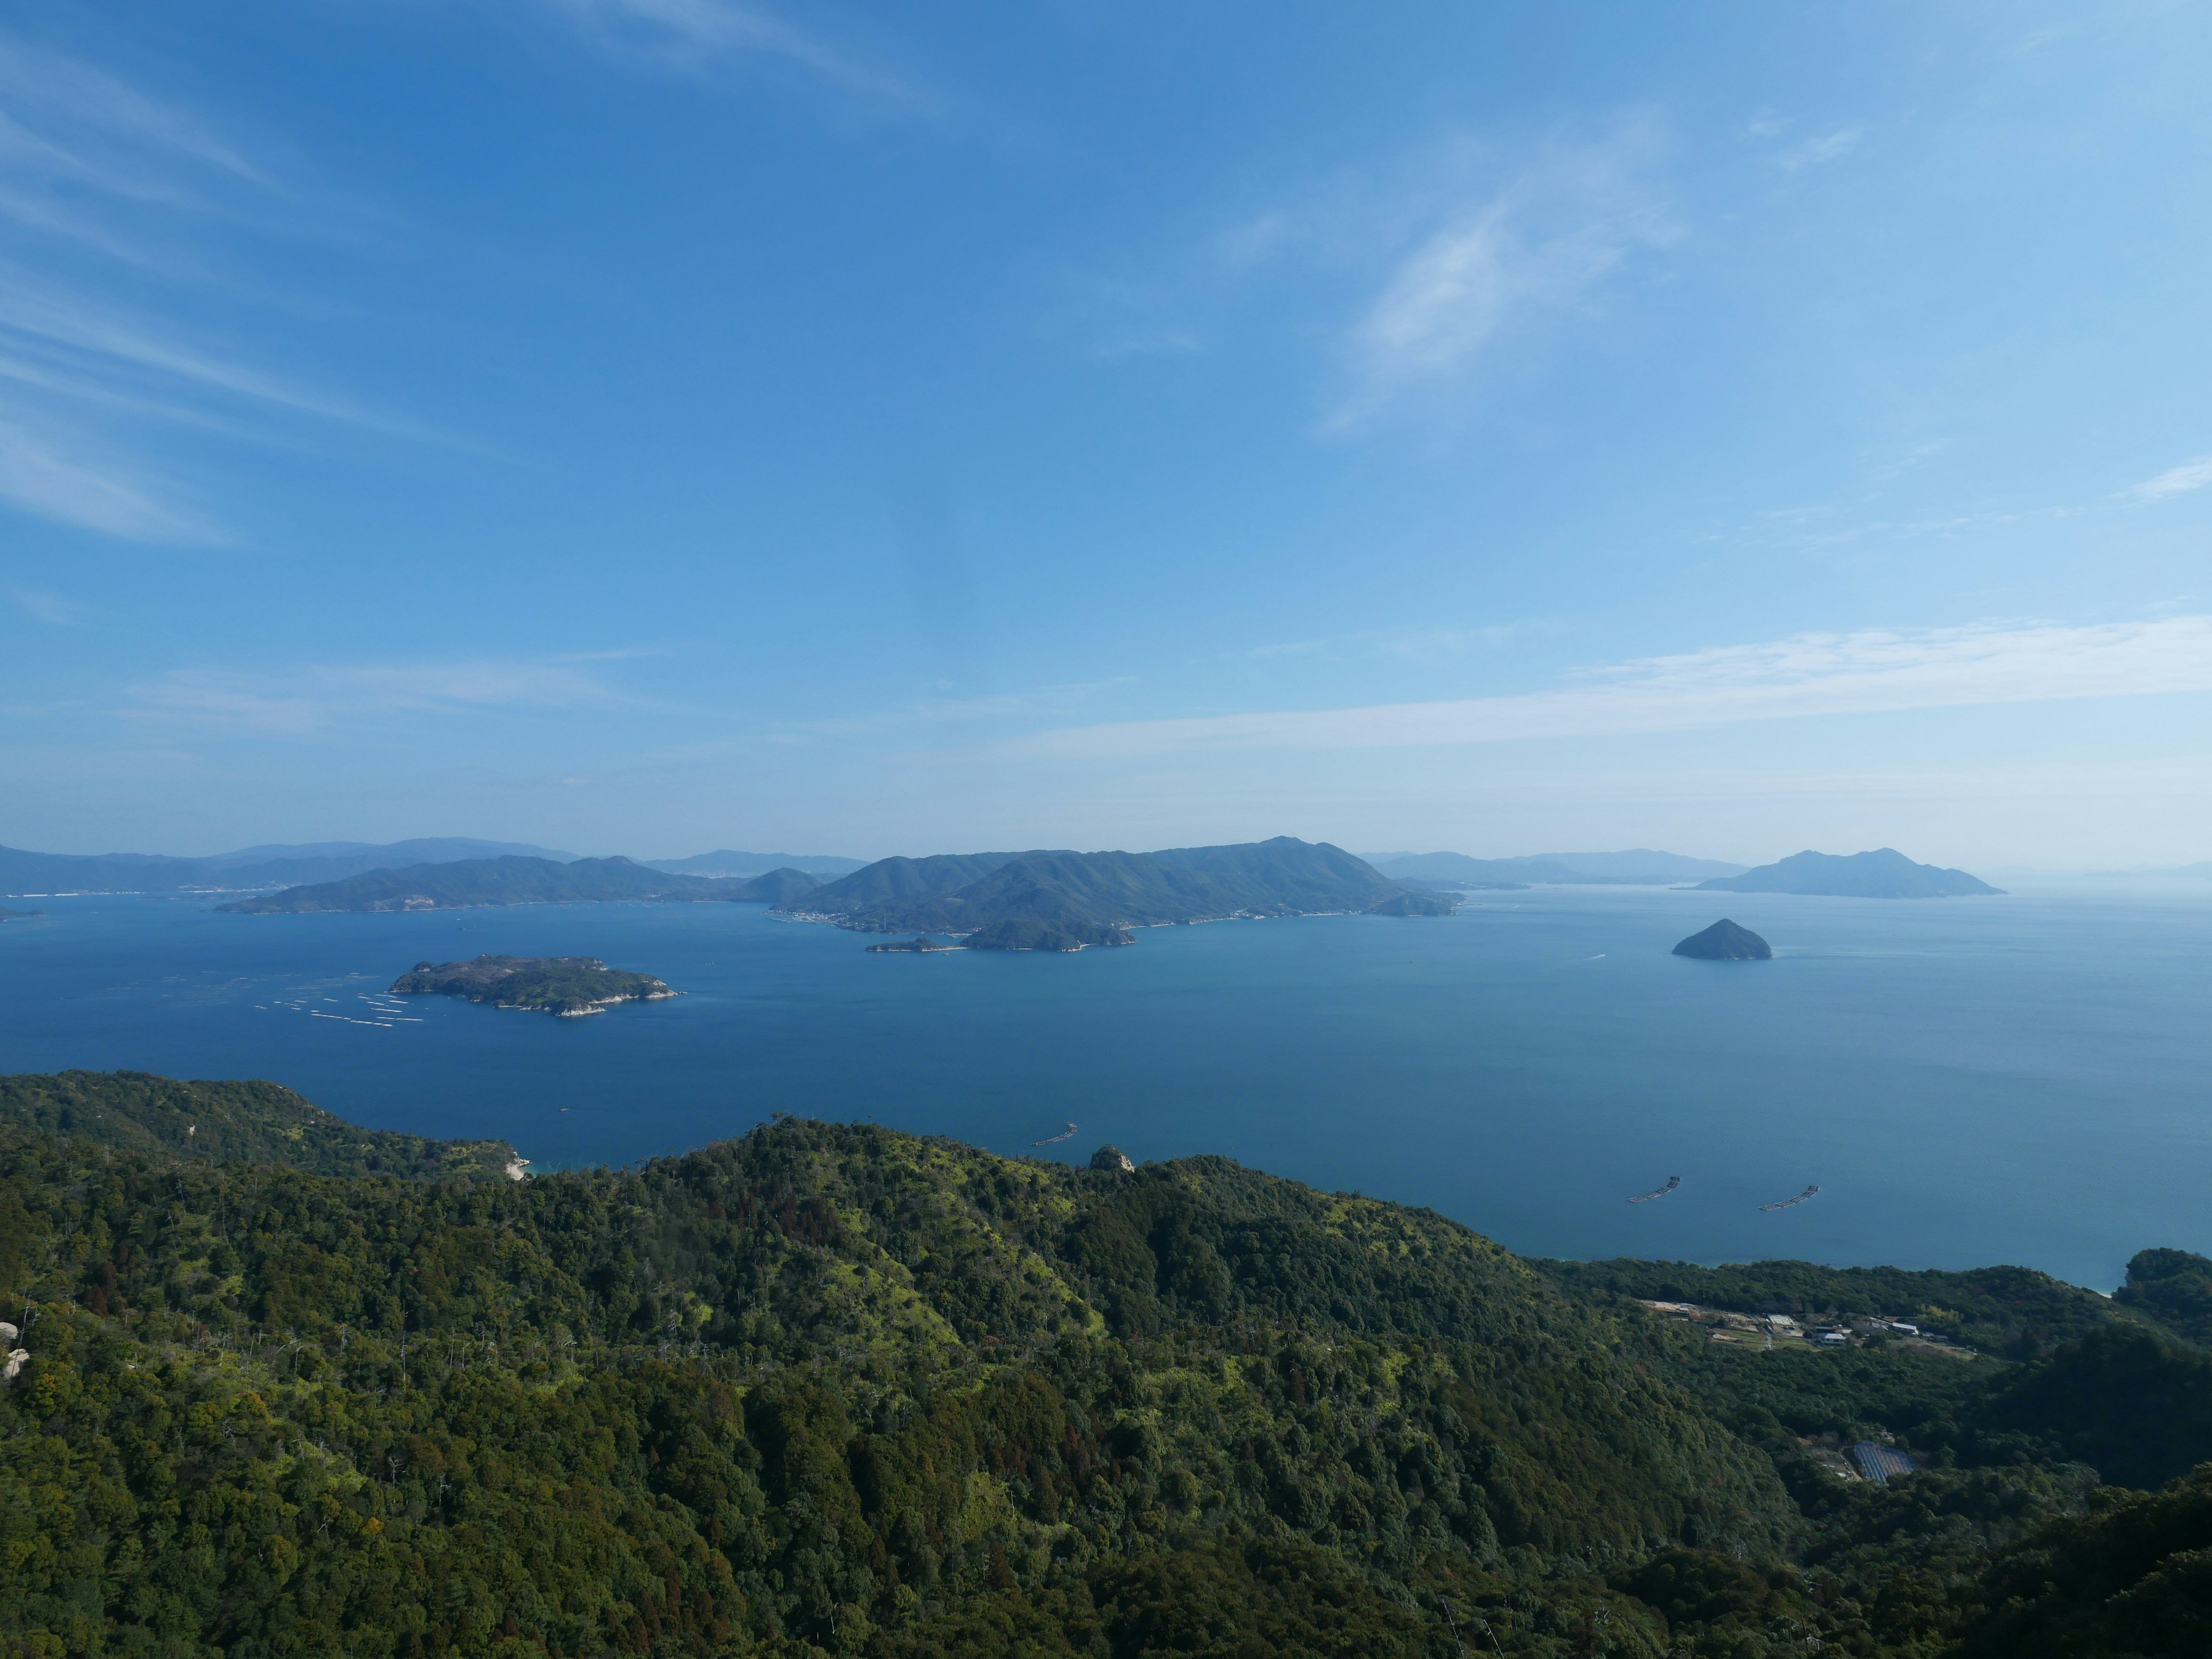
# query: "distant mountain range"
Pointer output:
{"type": "Point", "coordinates": [1883, 873]}
{"type": "Point", "coordinates": [1639, 866]}
{"type": "Point", "coordinates": [243, 870]}
{"type": "Point", "coordinates": [253, 868]}
{"type": "Point", "coordinates": [756, 864]}
{"type": "Point", "coordinates": [997, 898]}
{"type": "Point", "coordinates": [468, 884]}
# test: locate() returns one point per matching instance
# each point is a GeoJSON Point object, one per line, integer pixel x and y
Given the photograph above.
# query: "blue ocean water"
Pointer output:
{"type": "Point", "coordinates": [2018, 1080]}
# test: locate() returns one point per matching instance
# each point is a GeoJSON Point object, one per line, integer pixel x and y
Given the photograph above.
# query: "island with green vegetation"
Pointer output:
{"type": "Point", "coordinates": [466, 883]}
{"type": "Point", "coordinates": [1061, 901]}
{"type": "Point", "coordinates": [567, 986]}
{"type": "Point", "coordinates": [920, 945]}
{"type": "Point", "coordinates": [1884, 873]}
{"type": "Point", "coordinates": [829, 1390]}
{"type": "Point", "coordinates": [1414, 903]}
{"type": "Point", "coordinates": [7, 914]}
{"type": "Point", "coordinates": [1726, 941]}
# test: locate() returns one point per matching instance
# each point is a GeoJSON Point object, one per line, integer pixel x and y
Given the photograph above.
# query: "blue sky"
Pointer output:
{"type": "Point", "coordinates": [653, 425]}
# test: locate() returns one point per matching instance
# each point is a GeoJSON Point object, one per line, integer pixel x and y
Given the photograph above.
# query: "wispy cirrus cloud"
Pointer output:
{"type": "Point", "coordinates": [318, 698]}
{"type": "Point", "coordinates": [693, 34]}
{"type": "Point", "coordinates": [1044, 701]}
{"type": "Point", "coordinates": [1819, 151]}
{"type": "Point", "coordinates": [2174, 481]}
{"type": "Point", "coordinates": [50, 608]}
{"type": "Point", "coordinates": [109, 196]}
{"type": "Point", "coordinates": [1501, 255]}
{"type": "Point", "coordinates": [1808, 674]}
{"type": "Point", "coordinates": [1411, 271]}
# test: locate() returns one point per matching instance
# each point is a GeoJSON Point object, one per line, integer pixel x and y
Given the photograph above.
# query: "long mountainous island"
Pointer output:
{"type": "Point", "coordinates": [567, 986]}
{"type": "Point", "coordinates": [468, 883]}
{"type": "Point", "coordinates": [1884, 873]}
{"type": "Point", "coordinates": [1060, 901]}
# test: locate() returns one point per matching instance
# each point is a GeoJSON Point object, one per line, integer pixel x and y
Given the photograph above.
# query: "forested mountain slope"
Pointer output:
{"type": "Point", "coordinates": [1098, 893]}
{"type": "Point", "coordinates": [234, 1123]}
{"type": "Point", "coordinates": [831, 1389]}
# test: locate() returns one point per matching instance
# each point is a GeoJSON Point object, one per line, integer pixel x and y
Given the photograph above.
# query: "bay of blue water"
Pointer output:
{"type": "Point", "coordinates": [2021, 1079]}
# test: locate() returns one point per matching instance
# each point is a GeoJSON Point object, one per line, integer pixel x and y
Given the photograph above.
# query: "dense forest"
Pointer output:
{"type": "Point", "coordinates": [828, 1389]}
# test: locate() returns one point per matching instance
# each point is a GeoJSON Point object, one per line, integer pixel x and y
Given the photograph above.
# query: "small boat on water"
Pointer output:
{"type": "Point", "coordinates": [1672, 1182]}
{"type": "Point", "coordinates": [1054, 1140]}
{"type": "Point", "coordinates": [1783, 1204]}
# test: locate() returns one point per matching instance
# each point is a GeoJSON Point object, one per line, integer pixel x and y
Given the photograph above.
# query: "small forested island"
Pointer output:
{"type": "Point", "coordinates": [921, 943]}
{"type": "Point", "coordinates": [567, 986]}
{"type": "Point", "coordinates": [830, 1390]}
{"type": "Point", "coordinates": [1724, 941]}
{"type": "Point", "coordinates": [7, 914]}
{"type": "Point", "coordinates": [1414, 903]}
{"type": "Point", "coordinates": [1883, 873]}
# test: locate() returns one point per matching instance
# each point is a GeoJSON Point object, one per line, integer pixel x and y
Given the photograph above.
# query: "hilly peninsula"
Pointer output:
{"type": "Point", "coordinates": [828, 1391]}
{"type": "Point", "coordinates": [1063, 900]}
{"type": "Point", "coordinates": [565, 985]}
{"type": "Point", "coordinates": [1884, 873]}
{"type": "Point", "coordinates": [471, 882]}
{"type": "Point", "coordinates": [243, 870]}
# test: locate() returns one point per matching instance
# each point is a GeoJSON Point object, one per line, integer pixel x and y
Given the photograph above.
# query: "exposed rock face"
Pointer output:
{"type": "Point", "coordinates": [1114, 1158]}
{"type": "Point", "coordinates": [16, 1363]}
{"type": "Point", "coordinates": [1725, 942]}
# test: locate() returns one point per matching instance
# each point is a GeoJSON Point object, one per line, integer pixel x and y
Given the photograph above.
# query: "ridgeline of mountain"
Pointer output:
{"type": "Point", "coordinates": [567, 986]}
{"type": "Point", "coordinates": [890, 879]}
{"type": "Point", "coordinates": [1639, 866]}
{"type": "Point", "coordinates": [248, 869]}
{"type": "Point", "coordinates": [834, 1390]}
{"type": "Point", "coordinates": [820, 866]}
{"type": "Point", "coordinates": [1885, 873]}
{"type": "Point", "coordinates": [2173, 1287]}
{"type": "Point", "coordinates": [1724, 941]}
{"type": "Point", "coordinates": [471, 882]}
{"type": "Point", "coordinates": [1091, 897]}
{"type": "Point", "coordinates": [246, 1122]}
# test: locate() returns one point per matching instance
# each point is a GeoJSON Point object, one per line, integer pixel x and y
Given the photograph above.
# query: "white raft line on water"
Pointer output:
{"type": "Point", "coordinates": [1783, 1204]}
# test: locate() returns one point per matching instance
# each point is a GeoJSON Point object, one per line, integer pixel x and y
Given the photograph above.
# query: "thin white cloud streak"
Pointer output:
{"type": "Point", "coordinates": [75, 487]}
{"type": "Point", "coordinates": [1812, 674]}
{"type": "Point", "coordinates": [2174, 481]}
{"type": "Point", "coordinates": [1817, 152]}
{"type": "Point", "coordinates": [38, 315]}
{"type": "Point", "coordinates": [321, 697]}
{"type": "Point", "coordinates": [1007, 705]}
{"type": "Point", "coordinates": [95, 174]}
{"type": "Point", "coordinates": [50, 608]}
{"type": "Point", "coordinates": [1534, 247]}
{"type": "Point", "coordinates": [691, 34]}
{"type": "Point", "coordinates": [96, 103]}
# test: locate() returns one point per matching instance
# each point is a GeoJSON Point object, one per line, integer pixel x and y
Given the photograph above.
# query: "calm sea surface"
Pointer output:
{"type": "Point", "coordinates": [2017, 1079]}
